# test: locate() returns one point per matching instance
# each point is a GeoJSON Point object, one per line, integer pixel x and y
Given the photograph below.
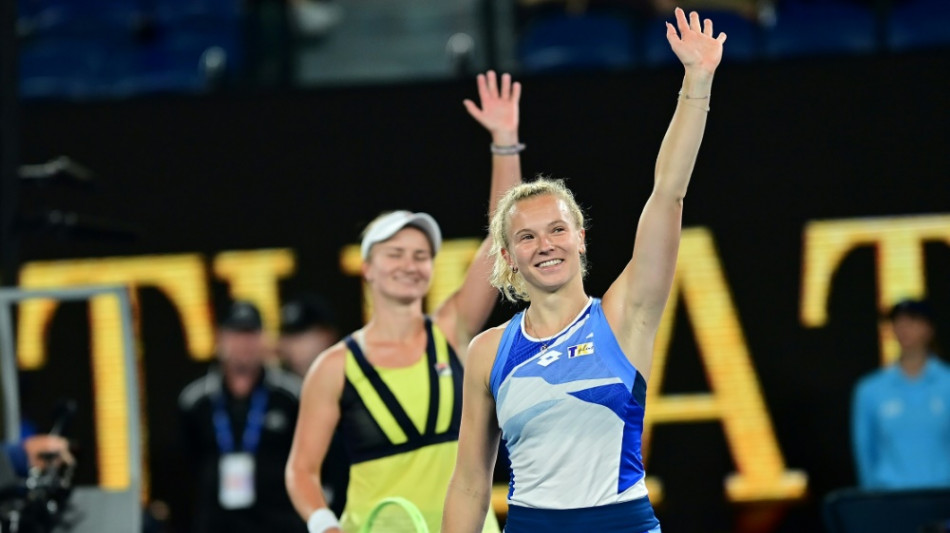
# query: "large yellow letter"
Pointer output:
{"type": "Point", "coordinates": [900, 262]}
{"type": "Point", "coordinates": [736, 399]}
{"type": "Point", "coordinates": [254, 276]}
{"type": "Point", "coordinates": [180, 277]}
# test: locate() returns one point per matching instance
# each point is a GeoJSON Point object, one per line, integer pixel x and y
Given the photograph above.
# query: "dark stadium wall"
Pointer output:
{"type": "Point", "coordinates": [861, 143]}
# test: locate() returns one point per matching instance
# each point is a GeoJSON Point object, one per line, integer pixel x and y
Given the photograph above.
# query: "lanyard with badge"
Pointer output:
{"type": "Point", "coordinates": [236, 467]}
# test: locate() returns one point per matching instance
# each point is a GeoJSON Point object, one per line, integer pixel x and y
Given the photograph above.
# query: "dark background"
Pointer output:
{"type": "Point", "coordinates": [786, 143]}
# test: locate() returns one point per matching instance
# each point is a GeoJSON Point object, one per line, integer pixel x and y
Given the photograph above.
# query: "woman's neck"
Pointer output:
{"type": "Point", "coordinates": [392, 319]}
{"type": "Point", "coordinates": [395, 337]}
{"type": "Point", "coordinates": [394, 322]}
{"type": "Point", "coordinates": [552, 312]}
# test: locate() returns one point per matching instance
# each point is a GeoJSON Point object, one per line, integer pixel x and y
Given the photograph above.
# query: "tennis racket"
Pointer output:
{"type": "Point", "coordinates": [395, 515]}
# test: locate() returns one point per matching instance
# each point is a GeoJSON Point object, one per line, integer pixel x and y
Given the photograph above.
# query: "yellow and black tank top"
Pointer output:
{"type": "Point", "coordinates": [401, 426]}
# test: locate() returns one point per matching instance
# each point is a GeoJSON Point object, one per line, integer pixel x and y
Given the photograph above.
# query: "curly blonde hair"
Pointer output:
{"type": "Point", "coordinates": [511, 285]}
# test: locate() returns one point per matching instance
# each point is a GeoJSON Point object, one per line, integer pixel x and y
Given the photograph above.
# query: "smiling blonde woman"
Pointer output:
{"type": "Point", "coordinates": [563, 383]}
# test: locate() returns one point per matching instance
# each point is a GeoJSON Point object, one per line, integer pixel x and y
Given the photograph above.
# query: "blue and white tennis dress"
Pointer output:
{"type": "Point", "coordinates": [571, 416]}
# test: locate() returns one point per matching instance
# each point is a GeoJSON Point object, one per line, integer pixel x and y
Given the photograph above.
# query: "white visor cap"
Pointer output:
{"type": "Point", "coordinates": [388, 225]}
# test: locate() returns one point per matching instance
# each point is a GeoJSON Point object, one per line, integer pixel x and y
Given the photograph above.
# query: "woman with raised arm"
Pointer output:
{"type": "Point", "coordinates": [395, 385]}
{"type": "Point", "coordinates": [564, 381]}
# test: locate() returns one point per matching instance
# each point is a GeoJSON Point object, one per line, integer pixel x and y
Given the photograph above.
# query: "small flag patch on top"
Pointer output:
{"type": "Point", "coordinates": [578, 350]}
{"type": "Point", "coordinates": [443, 370]}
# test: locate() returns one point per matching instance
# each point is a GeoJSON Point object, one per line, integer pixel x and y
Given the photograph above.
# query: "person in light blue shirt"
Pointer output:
{"type": "Point", "coordinates": [900, 419]}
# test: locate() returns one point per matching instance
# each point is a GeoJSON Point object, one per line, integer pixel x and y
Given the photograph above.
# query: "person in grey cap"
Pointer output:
{"type": "Point", "coordinates": [394, 386]}
{"type": "Point", "coordinates": [237, 425]}
{"type": "Point", "coordinates": [900, 415]}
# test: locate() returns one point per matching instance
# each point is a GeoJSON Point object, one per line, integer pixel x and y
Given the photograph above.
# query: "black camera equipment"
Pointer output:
{"type": "Point", "coordinates": [37, 503]}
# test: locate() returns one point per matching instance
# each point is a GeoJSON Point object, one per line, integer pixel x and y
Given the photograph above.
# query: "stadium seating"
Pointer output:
{"type": "Point", "coordinates": [116, 48]}
{"type": "Point", "coordinates": [807, 28]}
{"type": "Point", "coordinates": [561, 42]}
{"type": "Point", "coordinates": [916, 24]}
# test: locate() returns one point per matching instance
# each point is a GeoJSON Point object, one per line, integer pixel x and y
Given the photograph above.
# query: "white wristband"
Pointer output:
{"type": "Point", "coordinates": [322, 520]}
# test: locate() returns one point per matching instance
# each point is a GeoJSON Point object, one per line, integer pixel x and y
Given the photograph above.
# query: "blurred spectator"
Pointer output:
{"type": "Point", "coordinates": [237, 427]}
{"type": "Point", "coordinates": [901, 413]}
{"type": "Point", "coordinates": [307, 327]}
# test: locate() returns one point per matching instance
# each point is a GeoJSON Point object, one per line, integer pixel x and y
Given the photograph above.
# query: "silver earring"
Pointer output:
{"type": "Point", "coordinates": [514, 270]}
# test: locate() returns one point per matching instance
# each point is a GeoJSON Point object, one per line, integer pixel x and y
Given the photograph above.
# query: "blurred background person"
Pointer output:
{"type": "Point", "coordinates": [901, 413]}
{"type": "Point", "coordinates": [237, 425]}
{"type": "Point", "coordinates": [308, 327]}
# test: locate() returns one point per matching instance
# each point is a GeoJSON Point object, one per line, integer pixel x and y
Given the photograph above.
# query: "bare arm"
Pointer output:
{"type": "Point", "coordinates": [469, 493]}
{"type": "Point", "coordinates": [318, 417]}
{"type": "Point", "coordinates": [635, 301]}
{"type": "Point", "coordinates": [464, 314]}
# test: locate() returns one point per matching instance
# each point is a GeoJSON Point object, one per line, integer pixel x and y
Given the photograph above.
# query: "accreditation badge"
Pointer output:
{"type": "Point", "coordinates": [237, 480]}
